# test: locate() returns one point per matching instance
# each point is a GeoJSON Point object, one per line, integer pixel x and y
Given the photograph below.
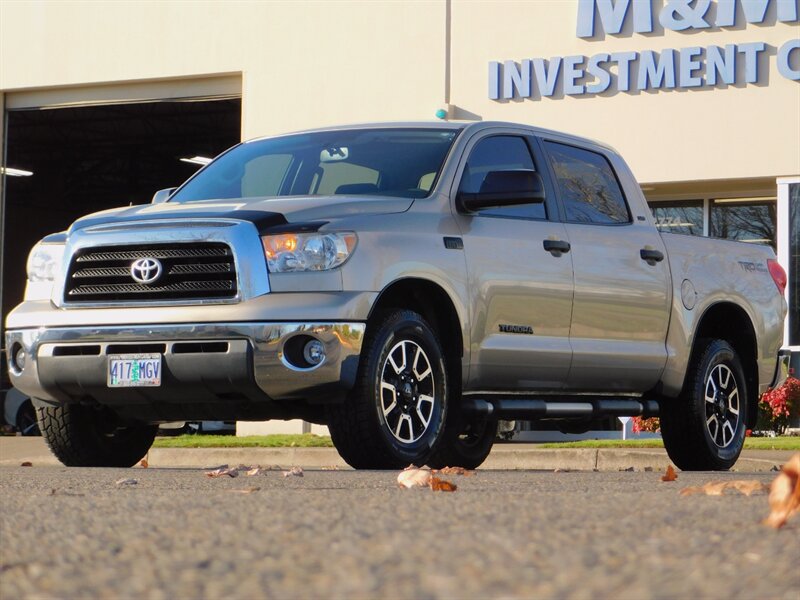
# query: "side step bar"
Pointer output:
{"type": "Point", "coordinates": [558, 408]}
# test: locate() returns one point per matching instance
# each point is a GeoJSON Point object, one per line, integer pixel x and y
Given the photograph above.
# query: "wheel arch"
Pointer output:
{"type": "Point", "coordinates": [730, 322]}
{"type": "Point", "coordinates": [436, 306]}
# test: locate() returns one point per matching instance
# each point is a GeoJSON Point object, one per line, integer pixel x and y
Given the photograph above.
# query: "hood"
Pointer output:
{"type": "Point", "coordinates": [264, 213]}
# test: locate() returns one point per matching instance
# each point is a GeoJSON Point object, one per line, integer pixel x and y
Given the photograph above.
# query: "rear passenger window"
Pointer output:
{"type": "Point", "coordinates": [587, 185]}
{"type": "Point", "coordinates": [500, 153]}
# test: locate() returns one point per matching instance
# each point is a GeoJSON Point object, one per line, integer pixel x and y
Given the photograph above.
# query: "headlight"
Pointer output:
{"type": "Point", "coordinates": [44, 261]}
{"type": "Point", "coordinates": [291, 252]}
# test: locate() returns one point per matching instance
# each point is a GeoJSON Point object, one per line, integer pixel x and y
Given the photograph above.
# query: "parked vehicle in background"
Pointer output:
{"type": "Point", "coordinates": [406, 284]}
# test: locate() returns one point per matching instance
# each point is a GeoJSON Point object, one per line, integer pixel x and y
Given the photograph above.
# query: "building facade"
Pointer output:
{"type": "Point", "coordinates": [701, 97]}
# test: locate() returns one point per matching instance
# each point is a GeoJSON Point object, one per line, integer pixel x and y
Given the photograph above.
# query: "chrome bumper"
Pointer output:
{"type": "Point", "coordinates": [251, 363]}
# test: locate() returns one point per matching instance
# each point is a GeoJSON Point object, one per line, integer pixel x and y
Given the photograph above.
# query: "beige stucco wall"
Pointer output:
{"type": "Point", "coordinates": [304, 64]}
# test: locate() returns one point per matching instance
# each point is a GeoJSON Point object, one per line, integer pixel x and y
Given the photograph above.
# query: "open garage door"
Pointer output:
{"type": "Point", "coordinates": [71, 161]}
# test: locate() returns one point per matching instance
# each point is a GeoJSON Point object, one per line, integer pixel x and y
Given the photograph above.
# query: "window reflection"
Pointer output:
{"type": "Point", "coordinates": [744, 220]}
{"type": "Point", "coordinates": [679, 217]}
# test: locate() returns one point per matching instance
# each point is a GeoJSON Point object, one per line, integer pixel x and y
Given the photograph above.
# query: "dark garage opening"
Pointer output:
{"type": "Point", "coordinates": [91, 158]}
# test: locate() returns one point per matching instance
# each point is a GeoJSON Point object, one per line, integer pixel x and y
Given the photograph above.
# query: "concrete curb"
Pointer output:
{"type": "Point", "coordinates": [15, 450]}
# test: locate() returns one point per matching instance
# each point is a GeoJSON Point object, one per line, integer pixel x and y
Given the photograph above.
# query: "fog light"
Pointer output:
{"type": "Point", "coordinates": [19, 358]}
{"type": "Point", "coordinates": [314, 352]}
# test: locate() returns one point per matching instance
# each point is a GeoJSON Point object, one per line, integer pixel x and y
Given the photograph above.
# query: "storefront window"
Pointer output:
{"type": "Point", "coordinates": [744, 220]}
{"type": "Point", "coordinates": [679, 217]}
{"type": "Point", "coordinates": [794, 264]}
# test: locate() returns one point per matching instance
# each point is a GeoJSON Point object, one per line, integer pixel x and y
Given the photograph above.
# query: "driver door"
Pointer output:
{"type": "Point", "coordinates": [521, 293]}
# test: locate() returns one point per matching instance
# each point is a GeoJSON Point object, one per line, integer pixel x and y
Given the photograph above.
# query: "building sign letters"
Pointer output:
{"type": "Point", "coordinates": [690, 67]}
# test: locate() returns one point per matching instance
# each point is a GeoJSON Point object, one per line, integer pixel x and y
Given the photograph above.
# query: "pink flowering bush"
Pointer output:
{"type": "Point", "coordinates": [651, 425]}
{"type": "Point", "coordinates": [776, 407]}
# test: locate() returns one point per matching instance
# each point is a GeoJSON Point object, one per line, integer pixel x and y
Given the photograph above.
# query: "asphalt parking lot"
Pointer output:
{"type": "Point", "coordinates": [76, 533]}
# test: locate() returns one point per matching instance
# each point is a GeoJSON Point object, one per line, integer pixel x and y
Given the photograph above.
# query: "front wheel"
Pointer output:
{"type": "Point", "coordinates": [396, 412]}
{"type": "Point", "coordinates": [84, 436]}
{"type": "Point", "coordinates": [704, 429]}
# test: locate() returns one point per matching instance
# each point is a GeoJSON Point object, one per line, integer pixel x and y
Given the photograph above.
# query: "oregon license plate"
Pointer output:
{"type": "Point", "coordinates": [134, 370]}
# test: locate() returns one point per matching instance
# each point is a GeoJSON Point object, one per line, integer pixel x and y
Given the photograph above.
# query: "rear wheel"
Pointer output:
{"type": "Point", "coordinates": [396, 412]}
{"type": "Point", "coordinates": [84, 436]}
{"type": "Point", "coordinates": [704, 428]}
{"type": "Point", "coordinates": [468, 447]}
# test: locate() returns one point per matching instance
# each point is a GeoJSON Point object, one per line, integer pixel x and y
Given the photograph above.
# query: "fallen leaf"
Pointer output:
{"type": "Point", "coordinates": [455, 471]}
{"type": "Point", "coordinates": [221, 471]}
{"type": "Point", "coordinates": [627, 470]}
{"type": "Point", "coordinates": [414, 477]}
{"type": "Point", "coordinates": [27, 463]}
{"type": "Point", "coordinates": [560, 470]}
{"type": "Point", "coordinates": [126, 481]}
{"type": "Point", "coordinates": [293, 472]}
{"type": "Point", "coordinates": [253, 472]}
{"type": "Point", "coordinates": [144, 463]}
{"type": "Point", "coordinates": [717, 488]}
{"type": "Point", "coordinates": [784, 494]}
{"type": "Point", "coordinates": [669, 475]}
{"type": "Point", "coordinates": [249, 490]}
{"type": "Point", "coordinates": [748, 487]}
{"type": "Point", "coordinates": [440, 485]}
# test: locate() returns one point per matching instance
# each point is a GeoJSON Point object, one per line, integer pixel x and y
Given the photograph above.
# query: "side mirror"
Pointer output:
{"type": "Point", "coordinates": [162, 195]}
{"type": "Point", "coordinates": [504, 188]}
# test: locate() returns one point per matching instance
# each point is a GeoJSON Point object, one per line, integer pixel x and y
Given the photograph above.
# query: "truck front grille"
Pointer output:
{"type": "Point", "coordinates": [168, 272]}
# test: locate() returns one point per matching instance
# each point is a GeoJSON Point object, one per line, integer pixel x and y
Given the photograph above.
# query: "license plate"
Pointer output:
{"type": "Point", "coordinates": [134, 370]}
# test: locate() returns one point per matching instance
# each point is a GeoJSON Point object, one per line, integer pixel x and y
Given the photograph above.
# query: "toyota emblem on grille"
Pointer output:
{"type": "Point", "coordinates": [146, 270]}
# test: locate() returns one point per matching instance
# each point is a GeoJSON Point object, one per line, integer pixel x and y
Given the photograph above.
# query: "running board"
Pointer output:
{"type": "Point", "coordinates": [558, 408]}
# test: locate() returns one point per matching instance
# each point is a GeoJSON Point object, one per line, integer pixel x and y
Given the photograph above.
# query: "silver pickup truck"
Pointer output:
{"type": "Point", "coordinates": [407, 284]}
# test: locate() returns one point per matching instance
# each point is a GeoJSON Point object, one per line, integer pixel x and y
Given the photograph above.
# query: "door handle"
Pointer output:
{"type": "Point", "coordinates": [556, 246]}
{"type": "Point", "coordinates": [651, 256]}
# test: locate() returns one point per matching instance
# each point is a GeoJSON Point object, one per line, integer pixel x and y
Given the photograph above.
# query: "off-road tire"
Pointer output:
{"type": "Point", "coordinates": [83, 436]}
{"type": "Point", "coordinates": [467, 446]}
{"type": "Point", "coordinates": [687, 422]}
{"type": "Point", "coordinates": [360, 427]}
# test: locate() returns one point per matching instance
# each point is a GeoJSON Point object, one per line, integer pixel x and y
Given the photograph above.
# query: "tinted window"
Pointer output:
{"type": "Point", "coordinates": [500, 153]}
{"type": "Point", "coordinates": [587, 184]}
{"type": "Point", "coordinates": [400, 162]}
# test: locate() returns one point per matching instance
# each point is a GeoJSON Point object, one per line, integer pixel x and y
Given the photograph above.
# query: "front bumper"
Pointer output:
{"type": "Point", "coordinates": [203, 363]}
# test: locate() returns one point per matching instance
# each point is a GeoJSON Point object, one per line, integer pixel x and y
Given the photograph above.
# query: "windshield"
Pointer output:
{"type": "Point", "coordinates": [383, 162]}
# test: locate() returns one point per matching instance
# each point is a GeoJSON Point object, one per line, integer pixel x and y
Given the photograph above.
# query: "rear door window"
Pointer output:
{"type": "Point", "coordinates": [587, 185]}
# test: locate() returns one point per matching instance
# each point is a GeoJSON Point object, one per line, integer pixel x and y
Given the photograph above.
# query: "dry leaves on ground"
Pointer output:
{"type": "Point", "coordinates": [253, 471]}
{"type": "Point", "coordinates": [784, 495]}
{"type": "Point", "coordinates": [126, 481]}
{"type": "Point", "coordinates": [455, 471]}
{"type": "Point", "coordinates": [670, 475]}
{"type": "Point", "coordinates": [717, 488]}
{"type": "Point", "coordinates": [440, 485]}
{"type": "Point", "coordinates": [144, 462]}
{"type": "Point", "coordinates": [414, 477]}
{"type": "Point", "coordinates": [222, 471]}
{"type": "Point", "coordinates": [27, 463]}
{"type": "Point", "coordinates": [293, 472]}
